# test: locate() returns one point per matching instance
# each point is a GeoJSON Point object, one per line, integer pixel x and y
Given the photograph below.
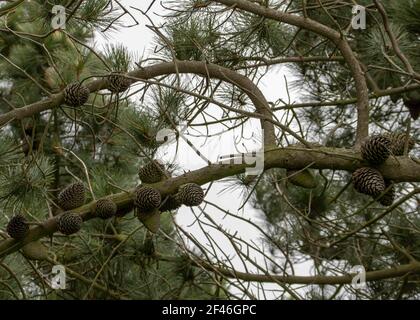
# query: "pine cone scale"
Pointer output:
{"type": "Point", "coordinates": [17, 227]}
{"type": "Point", "coordinates": [376, 149]}
{"type": "Point", "coordinates": [105, 208]}
{"type": "Point", "coordinates": [190, 194]}
{"type": "Point", "coordinates": [69, 223]}
{"type": "Point", "coordinates": [72, 196]}
{"type": "Point", "coordinates": [368, 181]}
{"type": "Point", "coordinates": [76, 94]}
{"type": "Point", "coordinates": [146, 199]}
{"type": "Point", "coordinates": [152, 172]}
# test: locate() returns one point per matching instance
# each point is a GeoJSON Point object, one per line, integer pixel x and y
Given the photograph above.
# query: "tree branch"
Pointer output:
{"type": "Point", "coordinates": [337, 38]}
{"type": "Point", "coordinates": [396, 169]}
{"type": "Point", "coordinates": [399, 271]}
{"type": "Point", "coordinates": [177, 67]}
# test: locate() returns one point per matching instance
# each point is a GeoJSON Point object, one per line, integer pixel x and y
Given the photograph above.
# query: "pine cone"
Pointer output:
{"type": "Point", "coordinates": [118, 83]}
{"type": "Point", "coordinates": [171, 203]}
{"type": "Point", "coordinates": [76, 94]}
{"type": "Point", "coordinates": [17, 227]}
{"type": "Point", "coordinates": [152, 172]}
{"type": "Point", "coordinates": [388, 198]}
{"type": "Point", "coordinates": [398, 143]}
{"type": "Point", "coordinates": [395, 97]}
{"type": "Point", "coordinates": [69, 223]}
{"type": "Point", "coordinates": [376, 149]}
{"type": "Point", "coordinates": [146, 199]}
{"type": "Point", "coordinates": [72, 196]}
{"type": "Point", "coordinates": [105, 208]}
{"type": "Point", "coordinates": [368, 181]}
{"type": "Point", "coordinates": [190, 194]}
{"type": "Point", "coordinates": [413, 107]}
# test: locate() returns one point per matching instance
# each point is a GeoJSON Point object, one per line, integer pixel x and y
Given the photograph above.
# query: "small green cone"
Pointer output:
{"type": "Point", "coordinates": [150, 220]}
{"type": "Point", "coordinates": [35, 251]}
{"type": "Point", "coordinates": [304, 179]}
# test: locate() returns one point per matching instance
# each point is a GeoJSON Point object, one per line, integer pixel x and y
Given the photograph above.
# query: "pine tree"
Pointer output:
{"type": "Point", "coordinates": [39, 160]}
{"type": "Point", "coordinates": [72, 113]}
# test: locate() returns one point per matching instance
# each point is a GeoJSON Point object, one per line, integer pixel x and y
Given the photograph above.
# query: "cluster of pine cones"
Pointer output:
{"type": "Point", "coordinates": [77, 94]}
{"type": "Point", "coordinates": [71, 197]}
{"type": "Point", "coordinates": [375, 150]}
{"type": "Point", "coordinates": [149, 202]}
{"type": "Point", "coordinates": [148, 199]}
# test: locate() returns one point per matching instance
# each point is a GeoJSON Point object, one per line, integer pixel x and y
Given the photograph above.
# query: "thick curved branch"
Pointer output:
{"type": "Point", "coordinates": [184, 67]}
{"type": "Point", "coordinates": [336, 37]}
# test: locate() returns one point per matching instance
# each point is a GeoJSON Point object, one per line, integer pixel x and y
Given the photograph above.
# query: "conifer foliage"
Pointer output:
{"type": "Point", "coordinates": [231, 149]}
